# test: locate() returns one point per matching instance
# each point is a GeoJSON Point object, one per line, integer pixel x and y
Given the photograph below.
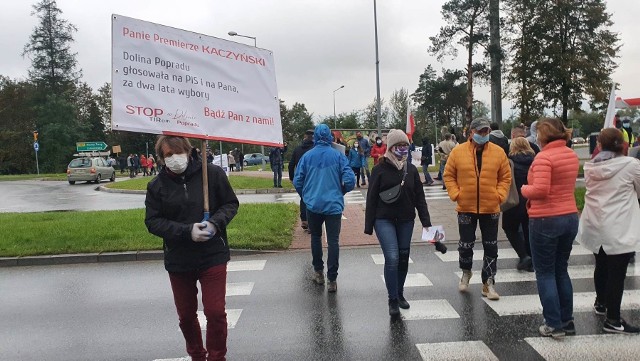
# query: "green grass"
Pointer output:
{"type": "Point", "coordinates": [579, 195]}
{"type": "Point", "coordinates": [18, 177]}
{"type": "Point", "coordinates": [237, 182]}
{"type": "Point", "coordinates": [256, 226]}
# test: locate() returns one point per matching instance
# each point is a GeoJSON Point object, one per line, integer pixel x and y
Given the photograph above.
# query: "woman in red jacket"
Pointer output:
{"type": "Point", "coordinates": [378, 150]}
{"type": "Point", "coordinates": [553, 224]}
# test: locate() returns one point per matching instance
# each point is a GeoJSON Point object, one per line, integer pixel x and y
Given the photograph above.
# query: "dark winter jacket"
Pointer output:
{"type": "Point", "coordinates": [175, 202]}
{"type": "Point", "coordinates": [426, 152]}
{"type": "Point", "coordinates": [498, 138]}
{"type": "Point", "coordinates": [385, 176]}
{"type": "Point", "coordinates": [521, 165]}
{"type": "Point", "coordinates": [276, 156]}
{"type": "Point", "coordinates": [297, 154]}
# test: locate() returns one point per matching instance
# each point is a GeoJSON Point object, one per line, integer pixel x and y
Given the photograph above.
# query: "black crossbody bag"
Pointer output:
{"type": "Point", "coordinates": [392, 194]}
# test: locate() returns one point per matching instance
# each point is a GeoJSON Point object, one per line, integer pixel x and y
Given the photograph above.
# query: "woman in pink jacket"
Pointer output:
{"type": "Point", "coordinates": [553, 224]}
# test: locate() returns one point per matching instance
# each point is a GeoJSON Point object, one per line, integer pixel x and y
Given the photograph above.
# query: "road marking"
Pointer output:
{"type": "Point", "coordinates": [415, 280]}
{"type": "Point", "coordinates": [587, 347]}
{"type": "Point", "coordinates": [429, 310]}
{"type": "Point", "coordinates": [379, 259]}
{"type": "Point", "coordinates": [463, 350]}
{"type": "Point", "coordinates": [233, 315]}
{"type": "Point", "coordinates": [503, 253]}
{"type": "Point", "coordinates": [512, 275]}
{"type": "Point", "coordinates": [530, 304]}
{"type": "Point", "coordinates": [239, 289]}
{"type": "Point", "coordinates": [255, 265]}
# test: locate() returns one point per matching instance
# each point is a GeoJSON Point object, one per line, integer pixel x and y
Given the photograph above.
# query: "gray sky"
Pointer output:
{"type": "Point", "coordinates": [318, 45]}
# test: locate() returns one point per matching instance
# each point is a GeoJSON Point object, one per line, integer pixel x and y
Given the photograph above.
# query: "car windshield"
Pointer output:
{"type": "Point", "coordinates": [80, 163]}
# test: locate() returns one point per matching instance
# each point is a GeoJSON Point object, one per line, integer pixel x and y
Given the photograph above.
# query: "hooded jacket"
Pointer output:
{"type": "Point", "coordinates": [175, 202]}
{"type": "Point", "coordinates": [323, 175]}
{"type": "Point", "coordinates": [610, 218]}
{"type": "Point", "coordinates": [533, 138]}
{"type": "Point", "coordinates": [297, 154]}
{"type": "Point", "coordinates": [498, 138]}
{"type": "Point", "coordinates": [377, 151]}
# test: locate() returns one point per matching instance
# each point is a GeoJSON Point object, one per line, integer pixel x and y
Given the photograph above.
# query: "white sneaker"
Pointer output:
{"type": "Point", "coordinates": [464, 281]}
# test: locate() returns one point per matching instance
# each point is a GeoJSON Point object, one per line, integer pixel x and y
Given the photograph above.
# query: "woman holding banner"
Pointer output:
{"type": "Point", "coordinates": [194, 249]}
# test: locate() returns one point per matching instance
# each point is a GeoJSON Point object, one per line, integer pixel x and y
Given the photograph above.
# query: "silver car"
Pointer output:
{"type": "Point", "coordinates": [89, 169]}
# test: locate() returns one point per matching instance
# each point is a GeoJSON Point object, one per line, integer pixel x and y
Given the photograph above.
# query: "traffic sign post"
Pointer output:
{"type": "Point", "coordinates": [36, 147]}
{"type": "Point", "coordinates": [90, 146]}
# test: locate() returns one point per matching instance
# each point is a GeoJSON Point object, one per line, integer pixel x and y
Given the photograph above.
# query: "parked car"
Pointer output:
{"type": "Point", "coordinates": [255, 159]}
{"type": "Point", "coordinates": [90, 169]}
{"type": "Point", "coordinates": [578, 140]}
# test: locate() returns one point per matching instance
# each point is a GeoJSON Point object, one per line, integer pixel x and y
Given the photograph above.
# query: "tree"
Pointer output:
{"type": "Point", "coordinates": [16, 127]}
{"type": "Point", "coordinates": [398, 109]}
{"type": "Point", "coordinates": [53, 65]}
{"type": "Point", "coordinates": [369, 116]}
{"type": "Point", "coordinates": [467, 25]}
{"type": "Point", "coordinates": [295, 122]}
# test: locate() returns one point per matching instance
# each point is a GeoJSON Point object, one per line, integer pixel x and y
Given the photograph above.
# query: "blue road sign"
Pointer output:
{"type": "Point", "coordinates": [36, 146]}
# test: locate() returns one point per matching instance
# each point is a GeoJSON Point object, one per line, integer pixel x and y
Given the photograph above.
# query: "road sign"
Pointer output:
{"type": "Point", "coordinates": [90, 146]}
{"type": "Point", "coordinates": [36, 146]}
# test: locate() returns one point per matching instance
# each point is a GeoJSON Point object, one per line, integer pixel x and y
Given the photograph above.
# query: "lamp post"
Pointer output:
{"type": "Point", "coordinates": [335, 119]}
{"type": "Point", "coordinates": [375, 23]}
{"type": "Point", "coordinates": [255, 45]}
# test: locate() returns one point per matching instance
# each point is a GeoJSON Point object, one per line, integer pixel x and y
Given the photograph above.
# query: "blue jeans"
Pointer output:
{"type": "Point", "coordinates": [277, 174]}
{"type": "Point", "coordinates": [395, 241]}
{"type": "Point", "coordinates": [427, 176]}
{"type": "Point", "coordinates": [551, 242]}
{"type": "Point", "coordinates": [332, 224]}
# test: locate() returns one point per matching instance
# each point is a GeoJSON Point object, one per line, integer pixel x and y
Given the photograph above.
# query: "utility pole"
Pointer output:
{"type": "Point", "coordinates": [495, 51]}
{"type": "Point", "coordinates": [375, 22]}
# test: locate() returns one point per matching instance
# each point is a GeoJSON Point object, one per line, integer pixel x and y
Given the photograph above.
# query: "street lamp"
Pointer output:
{"type": "Point", "coordinates": [335, 120]}
{"type": "Point", "coordinates": [375, 23]}
{"type": "Point", "coordinates": [233, 33]}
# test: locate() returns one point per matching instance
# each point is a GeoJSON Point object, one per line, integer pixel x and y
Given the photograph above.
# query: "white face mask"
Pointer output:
{"type": "Point", "coordinates": [177, 163]}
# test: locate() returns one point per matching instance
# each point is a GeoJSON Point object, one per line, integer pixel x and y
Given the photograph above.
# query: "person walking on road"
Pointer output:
{"type": "Point", "coordinates": [365, 147]}
{"type": "Point", "coordinates": [515, 218]}
{"type": "Point", "coordinates": [322, 178]}
{"type": "Point", "coordinates": [609, 225]}
{"type": "Point", "coordinates": [307, 144]}
{"type": "Point", "coordinates": [276, 160]}
{"type": "Point", "coordinates": [393, 219]}
{"type": "Point", "coordinates": [478, 177]}
{"type": "Point", "coordinates": [444, 148]}
{"type": "Point", "coordinates": [378, 150]}
{"type": "Point", "coordinates": [553, 224]}
{"type": "Point", "coordinates": [195, 250]}
{"type": "Point", "coordinates": [426, 160]}
{"type": "Point", "coordinates": [355, 162]}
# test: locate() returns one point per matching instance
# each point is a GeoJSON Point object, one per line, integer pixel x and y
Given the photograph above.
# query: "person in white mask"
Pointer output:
{"type": "Point", "coordinates": [195, 249]}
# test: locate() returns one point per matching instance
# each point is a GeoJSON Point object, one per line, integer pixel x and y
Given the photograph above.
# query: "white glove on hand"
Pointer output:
{"type": "Point", "coordinates": [210, 228]}
{"type": "Point", "coordinates": [199, 232]}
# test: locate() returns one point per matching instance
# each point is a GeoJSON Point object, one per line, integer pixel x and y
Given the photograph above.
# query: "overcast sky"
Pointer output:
{"type": "Point", "coordinates": [318, 45]}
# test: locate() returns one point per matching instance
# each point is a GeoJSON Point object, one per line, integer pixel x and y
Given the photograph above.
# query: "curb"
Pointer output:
{"type": "Point", "coordinates": [237, 191]}
{"type": "Point", "coordinates": [104, 257]}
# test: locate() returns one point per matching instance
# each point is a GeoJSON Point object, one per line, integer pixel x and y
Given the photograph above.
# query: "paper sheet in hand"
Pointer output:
{"type": "Point", "coordinates": [435, 234]}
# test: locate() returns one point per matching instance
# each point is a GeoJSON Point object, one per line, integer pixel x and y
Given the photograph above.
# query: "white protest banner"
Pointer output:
{"type": "Point", "coordinates": [171, 81]}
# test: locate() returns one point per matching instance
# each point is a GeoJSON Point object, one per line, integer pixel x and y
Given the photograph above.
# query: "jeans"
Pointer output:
{"type": "Point", "coordinates": [443, 163]}
{"type": "Point", "coordinates": [427, 176]}
{"type": "Point", "coordinates": [277, 174]}
{"type": "Point", "coordinates": [303, 210]}
{"type": "Point", "coordinates": [185, 295]}
{"type": "Point", "coordinates": [551, 242]}
{"type": "Point", "coordinates": [365, 169]}
{"type": "Point", "coordinates": [332, 224]}
{"type": "Point", "coordinates": [467, 224]}
{"type": "Point", "coordinates": [395, 241]}
{"type": "Point", "coordinates": [512, 220]}
{"type": "Point", "coordinates": [608, 277]}
{"type": "Point", "coordinates": [356, 172]}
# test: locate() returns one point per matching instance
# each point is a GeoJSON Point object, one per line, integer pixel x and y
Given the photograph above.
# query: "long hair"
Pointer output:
{"type": "Point", "coordinates": [520, 145]}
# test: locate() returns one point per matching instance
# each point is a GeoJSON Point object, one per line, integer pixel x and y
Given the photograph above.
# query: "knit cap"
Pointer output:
{"type": "Point", "coordinates": [396, 136]}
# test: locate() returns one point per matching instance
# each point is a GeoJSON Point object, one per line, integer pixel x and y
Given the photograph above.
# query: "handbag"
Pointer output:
{"type": "Point", "coordinates": [513, 199]}
{"type": "Point", "coordinates": [392, 194]}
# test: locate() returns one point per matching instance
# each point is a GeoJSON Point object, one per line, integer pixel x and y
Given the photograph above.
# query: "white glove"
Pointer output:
{"type": "Point", "coordinates": [210, 228]}
{"type": "Point", "coordinates": [199, 232]}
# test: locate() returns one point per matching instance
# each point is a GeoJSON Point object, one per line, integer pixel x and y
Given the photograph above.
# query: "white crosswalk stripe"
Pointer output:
{"type": "Point", "coordinates": [353, 197]}
{"type": "Point", "coordinates": [464, 350]}
{"type": "Point", "coordinates": [429, 310]}
{"type": "Point", "coordinates": [435, 192]}
{"type": "Point", "coordinates": [415, 280]}
{"type": "Point", "coordinates": [588, 347]}
{"type": "Point", "coordinates": [503, 253]}
{"type": "Point", "coordinates": [512, 275]}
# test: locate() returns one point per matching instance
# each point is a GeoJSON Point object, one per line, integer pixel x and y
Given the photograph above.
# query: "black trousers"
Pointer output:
{"type": "Point", "coordinates": [467, 224]}
{"type": "Point", "coordinates": [512, 220]}
{"type": "Point", "coordinates": [609, 275]}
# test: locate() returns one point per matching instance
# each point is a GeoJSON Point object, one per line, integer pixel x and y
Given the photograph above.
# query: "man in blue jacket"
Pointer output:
{"type": "Point", "coordinates": [322, 178]}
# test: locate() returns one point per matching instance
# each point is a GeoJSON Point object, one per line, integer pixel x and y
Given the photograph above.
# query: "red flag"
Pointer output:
{"type": "Point", "coordinates": [411, 123]}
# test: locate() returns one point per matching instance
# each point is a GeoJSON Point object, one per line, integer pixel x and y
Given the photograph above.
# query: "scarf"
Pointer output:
{"type": "Point", "coordinates": [393, 160]}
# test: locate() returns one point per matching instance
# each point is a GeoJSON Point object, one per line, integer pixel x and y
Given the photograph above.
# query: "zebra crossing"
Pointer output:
{"type": "Point", "coordinates": [435, 192]}
{"type": "Point", "coordinates": [353, 197]}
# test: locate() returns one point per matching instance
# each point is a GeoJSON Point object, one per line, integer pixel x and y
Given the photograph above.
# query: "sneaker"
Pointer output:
{"type": "Point", "coordinates": [318, 277]}
{"type": "Point", "coordinates": [569, 328]}
{"type": "Point", "coordinates": [524, 264]}
{"type": "Point", "coordinates": [402, 303]}
{"type": "Point", "coordinates": [394, 311]}
{"type": "Point", "coordinates": [332, 286]}
{"type": "Point", "coordinates": [550, 331]}
{"type": "Point", "coordinates": [489, 292]}
{"type": "Point", "coordinates": [430, 183]}
{"type": "Point", "coordinates": [600, 309]}
{"type": "Point", "coordinates": [619, 326]}
{"type": "Point", "coordinates": [304, 225]}
{"type": "Point", "coordinates": [464, 280]}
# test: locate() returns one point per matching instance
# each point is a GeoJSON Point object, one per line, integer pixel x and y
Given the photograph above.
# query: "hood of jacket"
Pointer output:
{"type": "Point", "coordinates": [606, 169]}
{"type": "Point", "coordinates": [497, 133]}
{"type": "Point", "coordinates": [322, 135]}
{"type": "Point", "coordinates": [306, 144]}
{"type": "Point", "coordinates": [522, 159]}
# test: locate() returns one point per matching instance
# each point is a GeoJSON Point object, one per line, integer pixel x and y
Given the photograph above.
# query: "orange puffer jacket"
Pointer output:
{"type": "Point", "coordinates": [552, 180]}
{"type": "Point", "coordinates": [477, 192]}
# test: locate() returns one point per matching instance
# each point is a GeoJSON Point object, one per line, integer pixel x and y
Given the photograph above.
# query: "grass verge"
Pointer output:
{"type": "Point", "coordinates": [256, 226]}
{"type": "Point", "coordinates": [237, 182]}
{"type": "Point", "coordinates": [579, 195]}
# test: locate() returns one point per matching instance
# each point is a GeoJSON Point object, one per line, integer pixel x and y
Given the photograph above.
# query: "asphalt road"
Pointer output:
{"type": "Point", "coordinates": [124, 311]}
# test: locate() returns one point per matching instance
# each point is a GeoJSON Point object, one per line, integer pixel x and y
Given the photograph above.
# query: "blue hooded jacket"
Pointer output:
{"type": "Point", "coordinates": [323, 175]}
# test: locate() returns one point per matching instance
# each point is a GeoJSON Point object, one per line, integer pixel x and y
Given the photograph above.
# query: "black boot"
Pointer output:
{"type": "Point", "coordinates": [402, 302]}
{"type": "Point", "coordinates": [394, 311]}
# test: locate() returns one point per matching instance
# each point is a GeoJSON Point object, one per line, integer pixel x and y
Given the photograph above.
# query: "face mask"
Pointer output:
{"type": "Point", "coordinates": [177, 163]}
{"type": "Point", "coordinates": [378, 142]}
{"type": "Point", "coordinates": [626, 124]}
{"type": "Point", "coordinates": [401, 152]}
{"type": "Point", "coordinates": [480, 139]}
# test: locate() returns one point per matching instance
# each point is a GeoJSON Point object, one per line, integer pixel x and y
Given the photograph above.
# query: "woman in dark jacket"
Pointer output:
{"type": "Point", "coordinates": [393, 222]}
{"type": "Point", "coordinates": [194, 249]}
{"type": "Point", "coordinates": [521, 153]}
